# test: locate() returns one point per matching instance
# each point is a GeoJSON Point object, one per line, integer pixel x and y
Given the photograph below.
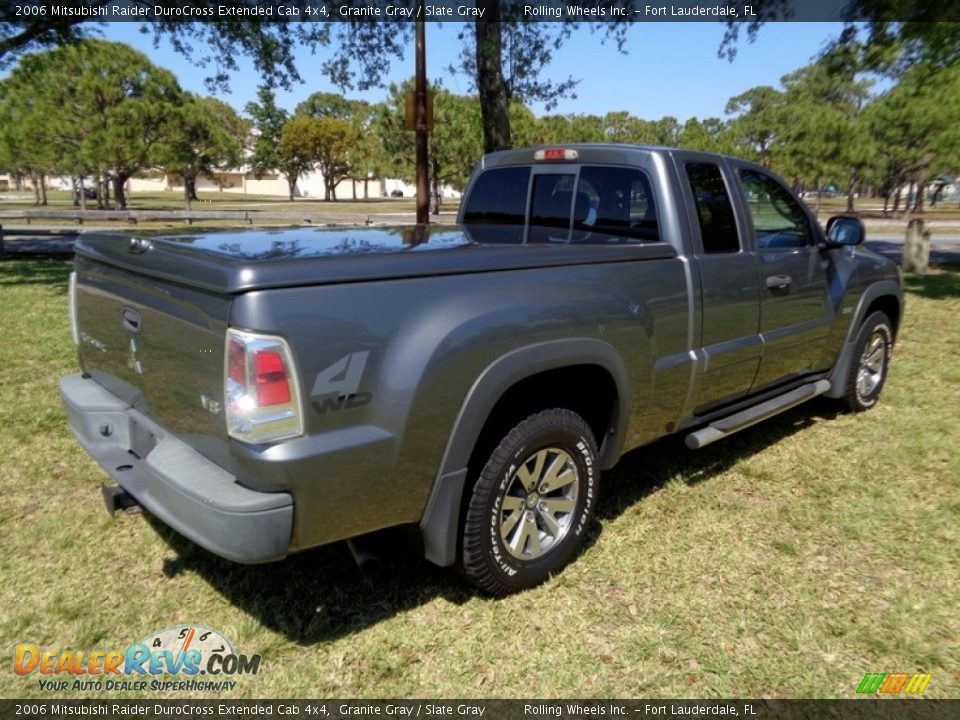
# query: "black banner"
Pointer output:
{"type": "Point", "coordinates": [623, 11]}
{"type": "Point", "coordinates": [866, 709]}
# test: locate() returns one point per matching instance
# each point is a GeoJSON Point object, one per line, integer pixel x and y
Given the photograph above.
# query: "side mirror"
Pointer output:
{"type": "Point", "coordinates": [843, 230]}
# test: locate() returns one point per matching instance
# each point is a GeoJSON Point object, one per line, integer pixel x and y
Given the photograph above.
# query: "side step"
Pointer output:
{"type": "Point", "coordinates": [719, 429]}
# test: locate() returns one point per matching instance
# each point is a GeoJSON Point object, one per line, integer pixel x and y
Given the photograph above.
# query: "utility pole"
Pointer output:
{"type": "Point", "coordinates": [420, 121]}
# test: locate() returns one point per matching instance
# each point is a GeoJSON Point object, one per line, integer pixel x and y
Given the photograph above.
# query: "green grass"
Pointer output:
{"type": "Point", "coordinates": [784, 562]}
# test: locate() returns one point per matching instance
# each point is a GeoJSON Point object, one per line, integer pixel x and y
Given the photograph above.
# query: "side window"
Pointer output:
{"type": "Point", "coordinates": [718, 227]}
{"type": "Point", "coordinates": [778, 219]}
{"type": "Point", "coordinates": [614, 205]}
{"type": "Point", "coordinates": [498, 197]}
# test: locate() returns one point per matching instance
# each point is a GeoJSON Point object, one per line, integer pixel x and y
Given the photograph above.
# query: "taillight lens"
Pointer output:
{"type": "Point", "coordinates": [272, 385]}
{"type": "Point", "coordinates": [260, 388]}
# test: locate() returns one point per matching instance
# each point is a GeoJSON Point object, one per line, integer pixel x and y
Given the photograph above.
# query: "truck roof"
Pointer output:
{"type": "Point", "coordinates": [585, 153]}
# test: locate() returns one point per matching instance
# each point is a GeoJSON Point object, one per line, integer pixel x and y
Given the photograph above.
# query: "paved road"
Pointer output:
{"type": "Point", "coordinates": [943, 248]}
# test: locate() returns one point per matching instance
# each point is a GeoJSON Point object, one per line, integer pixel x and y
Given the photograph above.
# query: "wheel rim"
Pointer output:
{"type": "Point", "coordinates": [537, 506]}
{"type": "Point", "coordinates": [872, 364]}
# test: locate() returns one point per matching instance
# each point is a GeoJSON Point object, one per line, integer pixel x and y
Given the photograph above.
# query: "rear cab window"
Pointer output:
{"type": "Point", "coordinates": [589, 204]}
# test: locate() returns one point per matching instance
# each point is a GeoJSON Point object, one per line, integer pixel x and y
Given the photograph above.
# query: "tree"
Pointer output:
{"type": "Point", "coordinates": [95, 108]}
{"type": "Point", "coordinates": [823, 132]}
{"type": "Point", "coordinates": [709, 135]}
{"type": "Point", "coordinates": [25, 148]}
{"type": "Point", "coordinates": [333, 138]}
{"type": "Point", "coordinates": [297, 149]}
{"type": "Point", "coordinates": [505, 53]}
{"type": "Point", "coordinates": [758, 113]}
{"type": "Point", "coordinates": [268, 121]}
{"type": "Point", "coordinates": [454, 144]}
{"type": "Point", "coordinates": [895, 34]}
{"type": "Point", "coordinates": [362, 155]}
{"type": "Point", "coordinates": [915, 124]}
{"type": "Point", "coordinates": [204, 135]}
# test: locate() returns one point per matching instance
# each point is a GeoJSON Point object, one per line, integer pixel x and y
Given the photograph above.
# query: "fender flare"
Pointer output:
{"type": "Point", "coordinates": [439, 525]}
{"type": "Point", "coordinates": [884, 288]}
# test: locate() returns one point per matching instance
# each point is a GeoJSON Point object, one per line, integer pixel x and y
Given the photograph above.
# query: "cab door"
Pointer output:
{"type": "Point", "coordinates": [729, 344]}
{"type": "Point", "coordinates": [792, 279]}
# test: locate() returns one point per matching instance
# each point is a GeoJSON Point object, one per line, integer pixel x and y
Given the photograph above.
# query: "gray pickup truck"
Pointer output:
{"type": "Point", "coordinates": [263, 392]}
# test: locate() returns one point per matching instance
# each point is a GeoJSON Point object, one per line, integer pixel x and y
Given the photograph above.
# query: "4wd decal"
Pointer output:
{"type": "Point", "coordinates": [337, 387]}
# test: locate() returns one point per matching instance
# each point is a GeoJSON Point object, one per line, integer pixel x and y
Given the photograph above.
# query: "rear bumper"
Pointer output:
{"type": "Point", "coordinates": [191, 494]}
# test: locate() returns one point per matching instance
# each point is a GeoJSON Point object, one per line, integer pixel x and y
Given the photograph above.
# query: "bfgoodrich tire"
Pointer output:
{"type": "Point", "coordinates": [871, 362]}
{"type": "Point", "coordinates": [531, 504]}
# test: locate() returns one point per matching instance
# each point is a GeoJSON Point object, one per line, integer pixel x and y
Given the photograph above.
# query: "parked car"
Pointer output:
{"type": "Point", "coordinates": [396, 193]}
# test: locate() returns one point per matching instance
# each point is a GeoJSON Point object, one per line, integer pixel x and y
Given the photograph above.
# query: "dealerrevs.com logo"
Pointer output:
{"type": "Point", "coordinates": [894, 683]}
{"type": "Point", "coordinates": [197, 658]}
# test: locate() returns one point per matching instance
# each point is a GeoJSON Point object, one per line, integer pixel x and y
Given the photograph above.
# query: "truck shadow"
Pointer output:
{"type": "Point", "coordinates": [321, 594]}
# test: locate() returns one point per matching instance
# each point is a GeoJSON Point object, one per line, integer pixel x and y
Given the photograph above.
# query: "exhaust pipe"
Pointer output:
{"type": "Point", "coordinates": [363, 553]}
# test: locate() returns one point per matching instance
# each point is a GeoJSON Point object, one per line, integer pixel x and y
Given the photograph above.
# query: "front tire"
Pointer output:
{"type": "Point", "coordinates": [531, 504]}
{"type": "Point", "coordinates": [868, 372]}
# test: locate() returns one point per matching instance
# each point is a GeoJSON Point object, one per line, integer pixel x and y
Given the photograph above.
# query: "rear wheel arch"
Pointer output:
{"type": "Point", "coordinates": [586, 376]}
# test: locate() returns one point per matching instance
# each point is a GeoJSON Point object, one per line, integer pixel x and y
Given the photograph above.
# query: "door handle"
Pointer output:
{"type": "Point", "coordinates": [778, 282]}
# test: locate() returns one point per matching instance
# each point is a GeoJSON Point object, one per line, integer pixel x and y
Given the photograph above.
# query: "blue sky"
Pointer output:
{"type": "Point", "coordinates": [669, 69]}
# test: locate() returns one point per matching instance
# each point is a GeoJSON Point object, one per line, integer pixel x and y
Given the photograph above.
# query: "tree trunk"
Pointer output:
{"type": "Point", "coordinates": [918, 199]}
{"type": "Point", "coordinates": [83, 194]}
{"type": "Point", "coordinates": [896, 197]}
{"type": "Point", "coordinates": [189, 188]}
{"type": "Point", "coordinates": [916, 248]}
{"type": "Point", "coordinates": [353, 182]}
{"type": "Point", "coordinates": [120, 196]}
{"type": "Point", "coordinates": [819, 194]}
{"type": "Point", "coordinates": [75, 190]}
{"type": "Point", "coordinates": [292, 184]}
{"type": "Point", "coordinates": [36, 188]}
{"type": "Point", "coordinates": [43, 189]}
{"type": "Point", "coordinates": [850, 189]}
{"type": "Point", "coordinates": [494, 101]}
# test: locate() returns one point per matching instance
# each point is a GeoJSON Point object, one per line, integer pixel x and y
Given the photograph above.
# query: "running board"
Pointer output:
{"type": "Point", "coordinates": [719, 429]}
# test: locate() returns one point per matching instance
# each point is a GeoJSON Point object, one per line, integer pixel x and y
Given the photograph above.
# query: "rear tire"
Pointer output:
{"type": "Point", "coordinates": [868, 371]}
{"type": "Point", "coordinates": [531, 504]}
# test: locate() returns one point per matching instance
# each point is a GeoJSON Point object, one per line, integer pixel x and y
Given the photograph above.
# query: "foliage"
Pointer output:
{"type": "Point", "coordinates": [297, 149]}
{"type": "Point", "coordinates": [268, 121]}
{"type": "Point", "coordinates": [204, 135]}
{"type": "Point", "coordinates": [93, 108]}
{"type": "Point", "coordinates": [895, 34]}
{"type": "Point", "coordinates": [915, 124]}
{"type": "Point", "coordinates": [760, 114]}
{"type": "Point", "coordinates": [454, 145]}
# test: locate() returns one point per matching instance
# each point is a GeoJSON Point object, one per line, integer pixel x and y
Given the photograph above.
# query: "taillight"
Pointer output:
{"type": "Point", "coordinates": [260, 388]}
{"type": "Point", "coordinates": [272, 385]}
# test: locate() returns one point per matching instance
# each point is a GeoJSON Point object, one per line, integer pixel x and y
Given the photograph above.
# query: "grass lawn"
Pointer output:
{"type": "Point", "coordinates": [785, 562]}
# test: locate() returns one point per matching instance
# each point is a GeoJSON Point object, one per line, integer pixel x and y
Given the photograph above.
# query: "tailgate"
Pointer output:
{"type": "Point", "coordinates": [154, 343]}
